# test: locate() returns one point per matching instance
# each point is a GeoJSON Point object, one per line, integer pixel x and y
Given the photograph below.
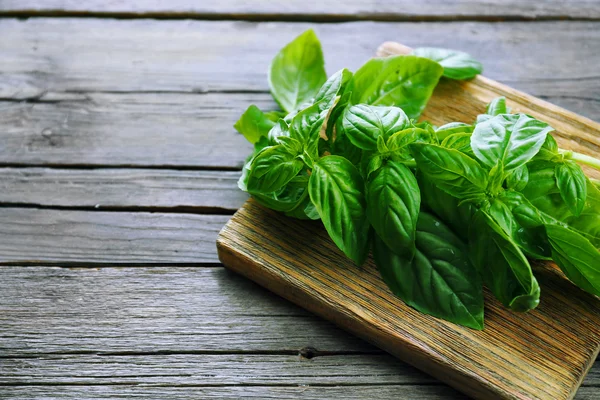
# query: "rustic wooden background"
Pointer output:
{"type": "Point", "coordinates": [118, 167]}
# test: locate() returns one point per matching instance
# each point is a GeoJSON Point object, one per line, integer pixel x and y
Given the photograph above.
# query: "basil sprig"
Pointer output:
{"type": "Point", "coordinates": [445, 210]}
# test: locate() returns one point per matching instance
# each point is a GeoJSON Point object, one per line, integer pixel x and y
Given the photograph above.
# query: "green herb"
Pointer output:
{"type": "Point", "coordinates": [445, 210]}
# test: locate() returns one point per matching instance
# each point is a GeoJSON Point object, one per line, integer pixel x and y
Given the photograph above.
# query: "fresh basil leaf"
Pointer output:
{"type": "Point", "coordinates": [511, 140]}
{"type": "Point", "coordinates": [334, 128]}
{"type": "Point", "coordinates": [281, 128]}
{"type": "Point", "coordinates": [285, 200]}
{"type": "Point", "coordinates": [452, 128]}
{"type": "Point", "coordinates": [457, 216]}
{"type": "Point", "coordinates": [572, 184]}
{"type": "Point", "coordinates": [297, 72]}
{"type": "Point", "coordinates": [393, 202]}
{"type": "Point", "coordinates": [457, 64]}
{"type": "Point", "coordinates": [518, 178]}
{"type": "Point", "coordinates": [460, 142]}
{"type": "Point", "coordinates": [398, 143]}
{"type": "Point", "coordinates": [363, 124]}
{"type": "Point", "coordinates": [497, 106]}
{"type": "Point", "coordinates": [439, 280]}
{"type": "Point", "coordinates": [481, 118]}
{"type": "Point", "coordinates": [549, 150]}
{"type": "Point", "coordinates": [271, 169]}
{"type": "Point", "coordinates": [336, 189]}
{"type": "Point", "coordinates": [343, 147]}
{"type": "Point", "coordinates": [588, 222]}
{"type": "Point", "coordinates": [576, 257]}
{"type": "Point", "coordinates": [254, 124]}
{"type": "Point", "coordinates": [333, 87]}
{"type": "Point", "coordinates": [542, 191]}
{"type": "Point", "coordinates": [402, 81]}
{"type": "Point", "coordinates": [452, 171]}
{"type": "Point", "coordinates": [306, 127]}
{"type": "Point", "coordinates": [503, 266]}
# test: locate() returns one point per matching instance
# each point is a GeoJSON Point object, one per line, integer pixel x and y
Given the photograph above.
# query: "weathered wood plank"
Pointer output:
{"type": "Point", "coordinates": [146, 189]}
{"type": "Point", "coordinates": [57, 55]}
{"type": "Point", "coordinates": [395, 392]}
{"type": "Point", "coordinates": [346, 9]}
{"type": "Point", "coordinates": [210, 370]}
{"type": "Point", "coordinates": [56, 236]}
{"type": "Point", "coordinates": [153, 310]}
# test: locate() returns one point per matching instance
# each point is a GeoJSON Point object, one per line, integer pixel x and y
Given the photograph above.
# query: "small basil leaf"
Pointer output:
{"type": "Point", "coordinates": [452, 171]}
{"type": "Point", "coordinates": [457, 64]}
{"type": "Point", "coordinates": [571, 182]}
{"type": "Point", "coordinates": [460, 142]}
{"type": "Point", "coordinates": [297, 72]}
{"type": "Point", "coordinates": [393, 202]}
{"type": "Point", "coordinates": [511, 140]}
{"type": "Point", "coordinates": [576, 257]}
{"type": "Point", "coordinates": [272, 169]}
{"type": "Point", "coordinates": [343, 147]}
{"type": "Point", "coordinates": [518, 178]}
{"type": "Point", "coordinates": [549, 150]}
{"type": "Point", "coordinates": [333, 87]}
{"type": "Point", "coordinates": [286, 200]}
{"type": "Point", "coordinates": [398, 143]}
{"type": "Point", "coordinates": [439, 280]}
{"type": "Point", "coordinates": [363, 124]}
{"type": "Point", "coordinates": [497, 106]}
{"type": "Point", "coordinates": [453, 127]}
{"type": "Point", "coordinates": [481, 118]}
{"type": "Point", "coordinates": [254, 124]}
{"type": "Point", "coordinates": [504, 267]}
{"type": "Point", "coordinates": [336, 189]}
{"type": "Point", "coordinates": [334, 127]}
{"type": "Point", "coordinates": [542, 190]}
{"type": "Point", "coordinates": [402, 81]}
{"type": "Point", "coordinates": [281, 128]}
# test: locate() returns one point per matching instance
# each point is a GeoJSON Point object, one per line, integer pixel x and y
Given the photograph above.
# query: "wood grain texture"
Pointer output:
{"type": "Point", "coordinates": [154, 310]}
{"type": "Point", "coordinates": [115, 189]}
{"type": "Point", "coordinates": [54, 236]}
{"type": "Point", "coordinates": [543, 354]}
{"type": "Point", "coordinates": [313, 10]}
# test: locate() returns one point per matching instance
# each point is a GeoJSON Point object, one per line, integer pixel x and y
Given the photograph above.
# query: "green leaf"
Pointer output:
{"type": "Point", "coordinates": [452, 171]}
{"type": "Point", "coordinates": [402, 81]}
{"type": "Point", "coordinates": [571, 182]}
{"type": "Point", "coordinates": [272, 169]}
{"type": "Point", "coordinates": [286, 200]}
{"type": "Point", "coordinates": [497, 106]}
{"type": "Point", "coordinates": [393, 202]}
{"type": "Point", "coordinates": [363, 124]}
{"type": "Point", "coordinates": [518, 178]}
{"type": "Point", "coordinates": [505, 270]}
{"type": "Point", "coordinates": [542, 190]}
{"type": "Point", "coordinates": [576, 257]}
{"type": "Point", "coordinates": [439, 280]}
{"type": "Point", "coordinates": [254, 124]}
{"type": "Point", "coordinates": [333, 87]}
{"type": "Point", "coordinates": [398, 143]}
{"type": "Point", "coordinates": [280, 129]}
{"type": "Point", "coordinates": [297, 72]}
{"type": "Point", "coordinates": [453, 127]}
{"type": "Point", "coordinates": [511, 140]}
{"type": "Point", "coordinates": [460, 142]}
{"type": "Point", "coordinates": [336, 189]}
{"type": "Point", "coordinates": [457, 65]}
{"type": "Point", "coordinates": [549, 150]}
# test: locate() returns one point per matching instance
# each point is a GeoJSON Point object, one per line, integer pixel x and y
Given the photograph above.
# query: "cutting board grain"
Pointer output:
{"type": "Point", "coordinates": [543, 354]}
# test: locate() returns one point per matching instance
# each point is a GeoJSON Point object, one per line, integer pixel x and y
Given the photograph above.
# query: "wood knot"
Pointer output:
{"type": "Point", "coordinates": [308, 352]}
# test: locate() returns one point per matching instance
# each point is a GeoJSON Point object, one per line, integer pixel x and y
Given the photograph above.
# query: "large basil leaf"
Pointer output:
{"type": "Point", "coordinates": [402, 81]}
{"type": "Point", "coordinates": [333, 87]}
{"type": "Point", "coordinates": [451, 170]}
{"type": "Point", "coordinates": [542, 191]}
{"type": "Point", "coordinates": [571, 182]}
{"type": "Point", "coordinates": [505, 270]}
{"type": "Point", "coordinates": [457, 64]}
{"type": "Point", "coordinates": [363, 124]}
{"type": "Point", "coordinates": [336, 190]}
{"type": "Point", "coordinates": [509, 140]}
{"type": "Point", "coordinates": [439, 280]}
{"type": "Point", "coordinates": [576, 257]}
{"type": "Point", "coordinates": [254, 124]}
{"type": "Point", "coordinates": [393, 202]}
{"type": "Point", "coordinates": [271, 169]}
{"type": "Point", "coordinates": [297, 72]}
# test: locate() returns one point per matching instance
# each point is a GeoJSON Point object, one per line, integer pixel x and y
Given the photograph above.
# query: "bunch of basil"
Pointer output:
{"type": "Point", "coordinates": [444, 210]}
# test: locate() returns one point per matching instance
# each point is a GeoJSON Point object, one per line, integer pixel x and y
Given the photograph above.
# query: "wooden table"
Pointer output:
{"type": "Point", "coordinates": [119, 166]}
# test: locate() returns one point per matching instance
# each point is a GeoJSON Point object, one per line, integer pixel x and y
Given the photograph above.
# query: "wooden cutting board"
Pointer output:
{"type": "Point", "coordinates": [543, 354]}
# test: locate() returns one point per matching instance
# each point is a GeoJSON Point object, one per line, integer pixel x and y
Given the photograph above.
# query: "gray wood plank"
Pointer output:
{"type": "Point", "coordinates": [56, 236]}
{"type": "Point", "coordinates": [346, 9]}
{"type": "Point", "coordinates": [140, 189]}
{"type": "Point", "coordinates": [56, 55]}
{"type": "Point", "coordinates": [151, 129]}
{"type": "Point", "coordinates": [358, 392]}
{"type": "Point", "coordinates": [153, 310]}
